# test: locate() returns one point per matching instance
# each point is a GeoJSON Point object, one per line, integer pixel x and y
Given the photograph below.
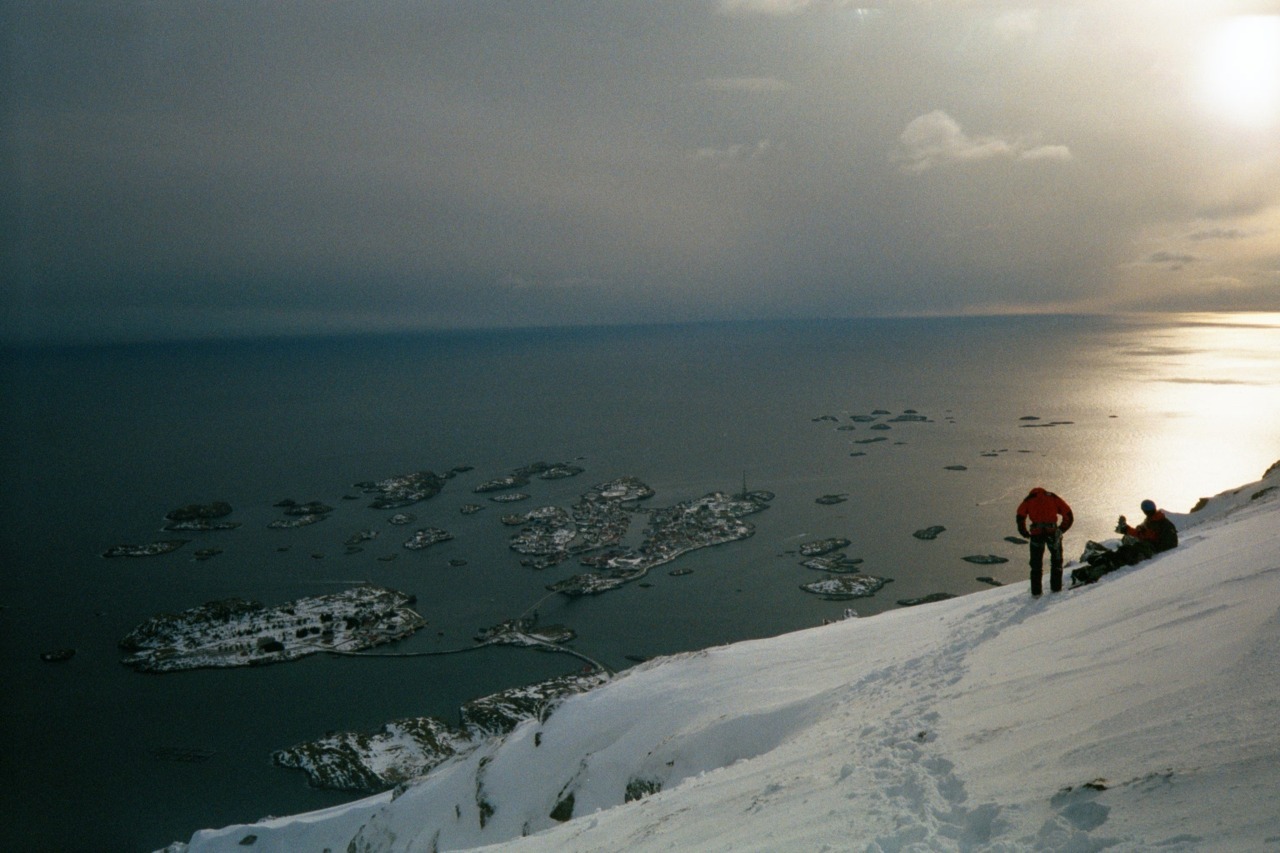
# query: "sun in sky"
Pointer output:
{"type": "Point", "coordinates": [1240, 70]}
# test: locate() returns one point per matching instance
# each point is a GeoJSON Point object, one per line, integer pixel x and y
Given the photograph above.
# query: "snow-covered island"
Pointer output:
{"type": "Point", "coordinates": [1136, 713]}
{"type": "Point", "coordinates": [712, 519]}
{"type": "Point", "coordinates": [235, 632]}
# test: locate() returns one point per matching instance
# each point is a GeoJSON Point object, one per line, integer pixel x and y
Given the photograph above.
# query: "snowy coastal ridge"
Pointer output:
{"type": "Point", "coordinates": [1136, 713]}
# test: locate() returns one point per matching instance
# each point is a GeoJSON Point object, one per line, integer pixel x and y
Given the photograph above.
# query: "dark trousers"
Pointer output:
{"type": "Point", "coordinates": [1131, 552]}
{"type": "Point", "coordinates": [1052, 541]}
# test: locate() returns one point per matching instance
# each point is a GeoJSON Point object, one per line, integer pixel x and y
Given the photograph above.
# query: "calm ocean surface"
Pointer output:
{"type": "Point", "coordinates": [98, 443]}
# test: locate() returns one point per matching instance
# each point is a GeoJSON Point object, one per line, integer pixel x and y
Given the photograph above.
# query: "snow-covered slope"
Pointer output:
{"type": "Point", "coordinates": [1137, 713]}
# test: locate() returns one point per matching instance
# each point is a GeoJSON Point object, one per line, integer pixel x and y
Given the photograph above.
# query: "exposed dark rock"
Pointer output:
{"type": "Point", "coordinates": [829, 500]}
{"type": "Point", "coordinates": [356, 761]}
{"type": "Point", "coordinates": [501, 712]}
{"type": "Point", "coordinates": [989, 580]}
{"type": "Point", "coordinates": [955, 468]}
{"type": "Point", "coordinates": [564, 809]}
{"type": "Point", "coordinates": [640, 788]}
{"type": "Point", "coordinates": [58, 655]}
{"type": "Point", "coordinates": [929, 533]}
{"type": "Point", "coordinates": [926, 599]}
{"type": "Point", "coordinates": [985, 559]}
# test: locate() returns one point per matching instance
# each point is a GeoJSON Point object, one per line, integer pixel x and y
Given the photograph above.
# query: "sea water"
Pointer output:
{"type": "Point", "coordinates": [99, 443]}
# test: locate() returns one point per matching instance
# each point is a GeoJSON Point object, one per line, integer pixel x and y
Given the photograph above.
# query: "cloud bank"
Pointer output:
{"type": "Point", "coordinates": [186, 169]}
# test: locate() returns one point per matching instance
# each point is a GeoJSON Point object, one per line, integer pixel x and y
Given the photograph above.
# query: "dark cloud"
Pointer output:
{"type": "Point", "coordinates": [192, 168]}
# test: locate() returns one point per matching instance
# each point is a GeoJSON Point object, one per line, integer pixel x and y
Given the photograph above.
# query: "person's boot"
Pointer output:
{"type": "Point", "coordinates": [1036, 575]}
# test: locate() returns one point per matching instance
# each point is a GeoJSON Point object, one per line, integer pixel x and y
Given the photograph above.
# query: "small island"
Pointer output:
{"type": "Point", "coordinates": [151, 549]}
{"type": "Point", "coordinates": [823, 546]}
{"type": "Point", "coordinates": [426, 537]}
{"type": "Point", "coordinates": [200, 518]}
{"type": "Point", "coordinates": [843, 587]}
{"type": "Point", "coordinates": [404, 489]}
{"type": "Point", "coordinates": [520, 477]}
{"type": "Point", "coordinates": [838, 563]}
{"type": "Point", "coordinates": [235, 632]}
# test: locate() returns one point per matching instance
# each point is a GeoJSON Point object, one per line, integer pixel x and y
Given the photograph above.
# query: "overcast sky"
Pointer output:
{"type": "Point", "coordinates": [185, 168]}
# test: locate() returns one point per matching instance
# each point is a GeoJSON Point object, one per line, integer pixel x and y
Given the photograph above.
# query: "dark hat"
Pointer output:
{"type": "Point", "coordinates": [1148, 506]}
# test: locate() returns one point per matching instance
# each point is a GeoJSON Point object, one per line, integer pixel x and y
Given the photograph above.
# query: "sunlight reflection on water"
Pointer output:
{"type": "Point", "coordinates": [1192, 376]}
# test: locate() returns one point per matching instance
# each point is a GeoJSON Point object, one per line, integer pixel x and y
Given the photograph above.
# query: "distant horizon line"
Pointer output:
{"type": "Point", "coordinates": [301, 336]}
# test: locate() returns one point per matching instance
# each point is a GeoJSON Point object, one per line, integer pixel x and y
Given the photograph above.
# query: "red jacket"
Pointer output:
{"type": "Point", "coordinates": [1043, 509]}
{"type": "Point", "coordinates": [1157, 530]}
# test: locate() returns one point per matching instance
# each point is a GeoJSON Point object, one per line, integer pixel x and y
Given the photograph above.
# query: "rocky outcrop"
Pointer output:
{"type": "Point", "coordinates": [405, 749]}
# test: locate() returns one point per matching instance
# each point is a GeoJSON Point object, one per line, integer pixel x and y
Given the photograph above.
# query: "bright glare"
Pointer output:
{"type": "Point", "coordinates": [1240, 71]}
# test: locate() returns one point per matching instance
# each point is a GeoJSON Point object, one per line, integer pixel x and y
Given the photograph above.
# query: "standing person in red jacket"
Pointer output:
{"type": "Point", "coordinates": [1042, 518]}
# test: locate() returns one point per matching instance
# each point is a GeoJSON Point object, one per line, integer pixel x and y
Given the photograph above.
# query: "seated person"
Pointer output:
{"type": "Point", "coordinates": [1154, 534]}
